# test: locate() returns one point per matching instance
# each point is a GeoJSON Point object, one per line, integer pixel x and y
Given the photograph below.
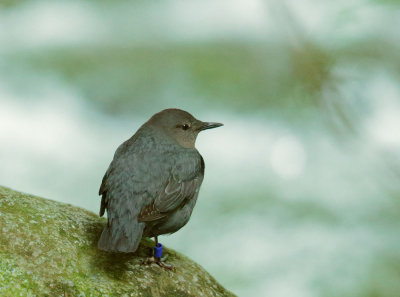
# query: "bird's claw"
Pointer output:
{"type": "Point", "coordinates": [159, 261]}
{"type": "Point", "coordinates": [165, 265]}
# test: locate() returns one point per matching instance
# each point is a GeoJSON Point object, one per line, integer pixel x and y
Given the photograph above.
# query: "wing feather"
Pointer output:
{"type": "Point", "coordinates": [175, 193]}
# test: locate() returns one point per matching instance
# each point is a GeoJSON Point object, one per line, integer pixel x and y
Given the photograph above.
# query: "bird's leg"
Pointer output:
{"type": "Point", "coordinates": [157, 258]}
{"type": "Point", "coordinates": [158, 251]}
{"type": "Point", "coordinates": [156, 242]}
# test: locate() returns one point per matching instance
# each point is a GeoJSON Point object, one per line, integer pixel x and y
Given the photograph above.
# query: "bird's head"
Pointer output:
{"type": "Point", "coordinates": [180, 126]}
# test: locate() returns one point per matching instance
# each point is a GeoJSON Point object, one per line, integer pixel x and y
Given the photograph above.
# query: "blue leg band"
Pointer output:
{"type": "Point", "coordinates": [158, 250]}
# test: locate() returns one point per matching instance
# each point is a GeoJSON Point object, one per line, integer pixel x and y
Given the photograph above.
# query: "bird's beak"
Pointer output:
{"type": "Point", "coordinates": [208, 125]}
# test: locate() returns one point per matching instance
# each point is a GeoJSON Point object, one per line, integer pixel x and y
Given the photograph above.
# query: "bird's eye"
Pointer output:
{"type": "Point", "coordinates": [185, 126]}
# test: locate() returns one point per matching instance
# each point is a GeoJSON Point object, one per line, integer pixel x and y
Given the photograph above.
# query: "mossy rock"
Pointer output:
{"type": "Point", "coordinates": [48, 248]}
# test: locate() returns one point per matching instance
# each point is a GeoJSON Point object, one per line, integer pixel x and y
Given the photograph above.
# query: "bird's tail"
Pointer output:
{"type": "Point", "coordinates": [120, 236]}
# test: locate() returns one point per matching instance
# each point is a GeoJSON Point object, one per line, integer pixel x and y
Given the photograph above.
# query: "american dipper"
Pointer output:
{"type": "Point", "coordinates": [152, 184]}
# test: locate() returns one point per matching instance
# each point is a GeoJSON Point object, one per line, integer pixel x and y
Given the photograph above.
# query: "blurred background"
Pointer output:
{"type": "Point", "coordinates": [301, 195]}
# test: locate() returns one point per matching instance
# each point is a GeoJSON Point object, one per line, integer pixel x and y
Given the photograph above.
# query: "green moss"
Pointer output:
{"type": "Point", "coordinates": [49, 248]}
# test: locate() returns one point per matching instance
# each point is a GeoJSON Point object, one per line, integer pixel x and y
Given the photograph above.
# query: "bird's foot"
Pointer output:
{"type": "Point", "coordinates": [159, 261]}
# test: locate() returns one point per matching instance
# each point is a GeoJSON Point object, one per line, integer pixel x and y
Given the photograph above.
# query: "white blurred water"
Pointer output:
{"type": "Point", "coordinates": [37, 24]}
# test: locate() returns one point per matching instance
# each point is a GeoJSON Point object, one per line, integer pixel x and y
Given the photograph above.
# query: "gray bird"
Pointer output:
{"type": "Point", "coordinates": [152, 184]}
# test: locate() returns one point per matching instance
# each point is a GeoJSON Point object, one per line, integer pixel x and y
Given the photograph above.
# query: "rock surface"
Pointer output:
{"type": "Point", "coordinates": [48, 248]}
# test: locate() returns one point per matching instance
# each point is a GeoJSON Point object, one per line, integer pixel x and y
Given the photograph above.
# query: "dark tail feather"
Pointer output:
{"type": "Point", "coordinates": [123, 238]}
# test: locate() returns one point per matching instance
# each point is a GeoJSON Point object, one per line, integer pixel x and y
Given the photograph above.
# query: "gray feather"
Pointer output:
{"type": "Point", "coordinates": [149, 177]}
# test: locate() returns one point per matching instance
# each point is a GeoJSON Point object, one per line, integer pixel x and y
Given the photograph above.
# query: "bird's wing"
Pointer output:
{"type": "Point", "coordinates": [130, 179]}
{"type": "Point", "coordinates": [103, 192]}
{"type": "Point", "coordinates": [107, 182]}
{"type": "Point", "coordinates": [175, 193]}
{"type": "Point", "coordinates": [129, 184]}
